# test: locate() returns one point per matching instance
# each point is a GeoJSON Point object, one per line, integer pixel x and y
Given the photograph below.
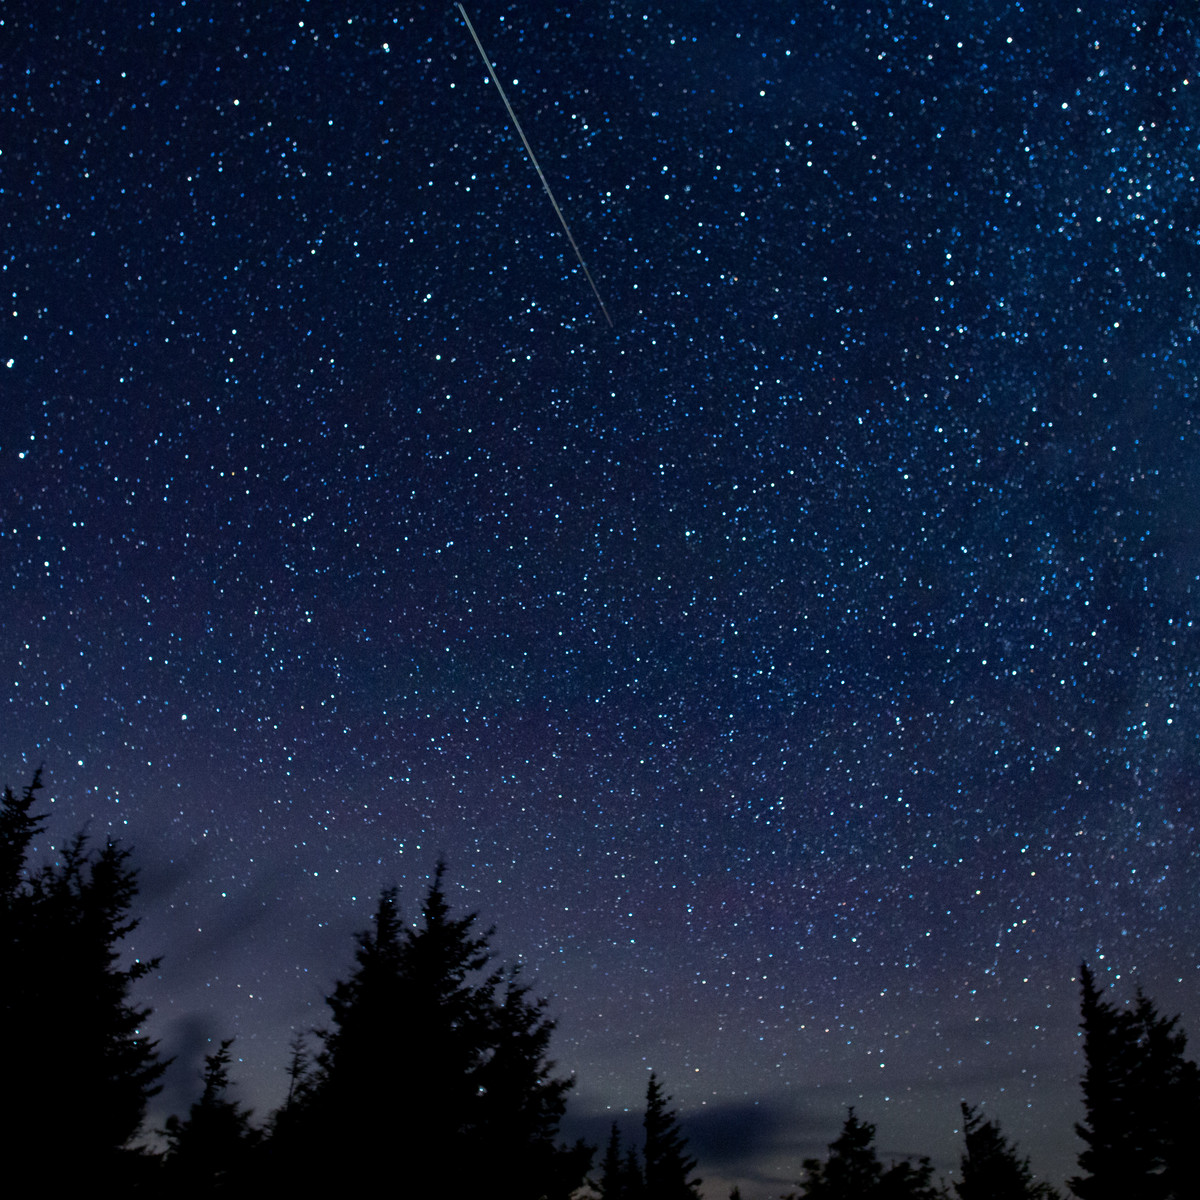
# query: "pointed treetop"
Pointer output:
{"type": "Point", "coordinates": [667, 1165]}
{"type": "Point", "coordinates": [17, 830]}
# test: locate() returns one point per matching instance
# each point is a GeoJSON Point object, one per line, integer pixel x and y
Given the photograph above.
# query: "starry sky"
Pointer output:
{"type": "Point", "coordinates": [799, 674]}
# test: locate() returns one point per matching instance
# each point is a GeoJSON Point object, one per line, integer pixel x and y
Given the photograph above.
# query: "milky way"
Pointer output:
{"type": "Point", "coordinates": [799, 674]}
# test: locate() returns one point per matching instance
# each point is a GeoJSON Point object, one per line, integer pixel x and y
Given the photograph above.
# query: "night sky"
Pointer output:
{"type": "Point", "coordinates": [799, 674]}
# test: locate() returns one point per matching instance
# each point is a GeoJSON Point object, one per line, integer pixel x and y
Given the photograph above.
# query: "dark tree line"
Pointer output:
{"type": "Point", "coordinates": [434, 1073]}
{"type": "Point", "coordinates": [1141, 1102]}
{"type": "Point", "coordinates": [990, 1168]}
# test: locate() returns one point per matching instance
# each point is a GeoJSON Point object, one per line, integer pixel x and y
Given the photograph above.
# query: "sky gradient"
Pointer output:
{"type": "Point", "coordinates": [799, 674]}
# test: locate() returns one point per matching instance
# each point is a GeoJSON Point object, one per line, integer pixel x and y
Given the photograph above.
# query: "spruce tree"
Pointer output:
{"type": "Point", "coordinates": [620, 1174]}
{"type": "Point", "coordinates": [86, 1083]}
{"type": "Point", "coordinates": [610, 1183]}
{"type": "Point", "coordinates": [906, 1180]}
{"type": "Point", "coordinates": [852, 1168]}
{"type": "Point", "coordinates": [991, 1169]}
{"type": "Point", "coordinates": [852, 1171]}
{"type": "Point", "coordinates": [18, 828]}
{"type": "Point", "coordinates": [1111, 1160]}
{"type": "Point", "coordinates": [520, 1102]}
{"type": "Point", "coordinates": [208, 1151]}
{"type": "Point", "coordinates": [1141, 1102]}
{"type": "Point", "coordinates": [666, 1163]}
{"type": "Point", "coordinates": [633, 1181]}
{"type": "Point", "coordinates": [433, 1070]}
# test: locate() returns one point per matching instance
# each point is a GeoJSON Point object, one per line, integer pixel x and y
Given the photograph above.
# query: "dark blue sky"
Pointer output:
{"type": "Point", "coordinates": [798, 674]}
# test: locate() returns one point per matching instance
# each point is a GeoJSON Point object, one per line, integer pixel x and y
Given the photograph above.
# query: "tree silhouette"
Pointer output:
{"type": "Point", "coordinates": [208, 1149]}
{"type": "Point", "coordinates": [620, 1174]}
{"type": "Point", "coordinates": [852, 1171]}
{"type": "Point", "coordinates": [18, 828]}
{"type": "Point", "coordinates": [520, 1101]}
{"type": "Point", "coordinates": [667, 1165]}
{"type": "Point", "coordinates": [852, 1168]}
{"type": "Point", "coordinates": [1141, 1101]}
{"type": "Point", "coordinates": [991, 1169]}
{"type": "Point", "coordinates": [92, 1066]}
{"type": "Point", "coordinates": [910, 1181]}
{"type": "Point", "coordinates": [432, 1070]}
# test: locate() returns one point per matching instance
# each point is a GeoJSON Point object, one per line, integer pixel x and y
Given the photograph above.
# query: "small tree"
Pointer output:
{"type": "Point", "coordinates": [852, 1168]}
{"type": "Point", "coordinates": [852, 1171]}
{"type": "Point", "coordinates": [208, 1149]}
{"type": "Point", "coordinates": [667, 1165]}
{"type": "Point", "coordinates": [910, 1181]}
{"type": "Point", "coordinates": [18, 828]}
{"type": "Point", "coordinates": [991, 1169]}
{"type": "Point", "coordinates": [620, 1174]}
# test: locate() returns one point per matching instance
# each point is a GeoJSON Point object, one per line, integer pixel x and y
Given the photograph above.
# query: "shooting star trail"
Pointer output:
{"type": "Point", "coordinates": [487, 62]}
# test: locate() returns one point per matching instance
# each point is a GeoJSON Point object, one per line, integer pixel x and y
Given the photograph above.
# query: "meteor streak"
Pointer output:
{"type": "Point", "coordinates": [533, 159]}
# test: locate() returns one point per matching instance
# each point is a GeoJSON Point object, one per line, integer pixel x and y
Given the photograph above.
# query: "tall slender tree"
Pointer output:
{"type": "Point", "coordinates": [208, 1150]}
{"type": "Point", "coordinates": [520, 1102]}
{"type": "Point", "coordinates": [667, 1164]}
{"type": "Point", "coordinates": [991, 1168]}
{"type": "Point", "coordinates": [620, 1174]}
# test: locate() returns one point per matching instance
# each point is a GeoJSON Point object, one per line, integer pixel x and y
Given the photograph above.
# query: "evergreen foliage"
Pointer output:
{"type": "Point", "coordinates": [1141, 1102]}
{"type": "Point", "coordinates": [62, 924]}
{"type": "Point", "coordinates": [610, 1183]}
{"type": "Point", "coordinates": [434, 1073]}
{"type": "Point", "coordinates": [620, 1174]}
{"type": "Point", "coordinates": [301, 1071]}
{"type": "Point", "coordinates": [208, 1151]}
{"type": "Point", "coordinates": [852, 1168]}
{"type": "Point", "coordinates": [432, 1068]}
{"type": "Point", "coordinates": [18, 828]}
{"type": "Point", "coordinates": [852, 1171]}
{"type": "Point", "coordinates": [907, 1180]}
{"type": "Point", "coordinates": [667, 1165]}
{"type": "Point", "coordinates": [991, 1169]}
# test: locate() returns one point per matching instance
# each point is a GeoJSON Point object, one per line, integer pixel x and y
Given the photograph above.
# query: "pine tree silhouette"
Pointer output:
{"type": "Point", "coordinates": [62, 925]}
{"type": "Point", "coordinates": [620, 1174]}
{"type": "Point", "coordinates": [852, 1171]}
{"type": "Point", "coordinates": [520, 1101]}
{"type": "Point", "coordinates": [852, 1168]}
{"type": "Point", "coordinates": [910, 1181]}
{"type": "Point", "coordinates": [1141, 1102]}
{"type": "Point", "coordinates": [667, 1165]}
{"type": "Point", "coordinates": [18, 828]}
{"type": "Point", "coordinates": [990, 1167]}
{"type": "Point", "coordinates": [208, 1151]}
{"type": "Point", "coordinates": [433, 1071]}
{"type": "Point", "coordinates": [609, 1184]}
